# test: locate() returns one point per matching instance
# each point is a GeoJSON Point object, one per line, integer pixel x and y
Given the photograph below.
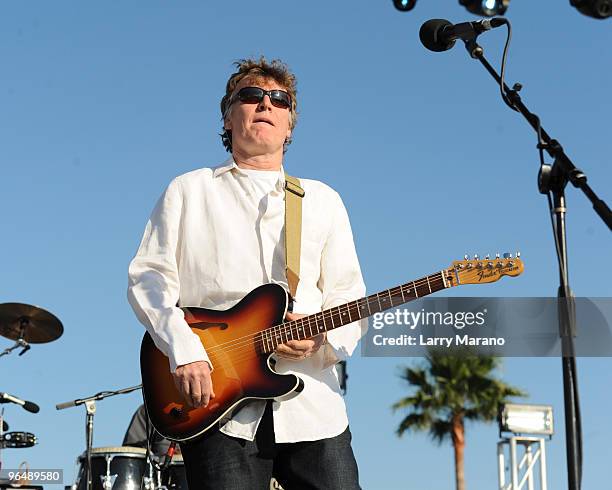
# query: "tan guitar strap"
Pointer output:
{"type": "Point", "coordinates": [293, 231]}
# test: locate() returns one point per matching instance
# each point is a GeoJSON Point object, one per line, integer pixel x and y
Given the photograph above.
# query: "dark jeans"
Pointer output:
{"type": "Point", "coordinates": [220, 462]}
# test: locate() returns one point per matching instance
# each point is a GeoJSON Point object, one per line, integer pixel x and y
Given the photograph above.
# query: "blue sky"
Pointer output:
{"type": "Point", "coordinates": [102, 105]}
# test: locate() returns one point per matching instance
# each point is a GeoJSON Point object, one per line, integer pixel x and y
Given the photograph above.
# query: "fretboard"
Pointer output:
{"type": "Point", "coordinates": [335, 317]}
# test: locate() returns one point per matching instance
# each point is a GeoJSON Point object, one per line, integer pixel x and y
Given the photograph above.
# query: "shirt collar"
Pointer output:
{"type": "Point", "coordinates": [230, 164]}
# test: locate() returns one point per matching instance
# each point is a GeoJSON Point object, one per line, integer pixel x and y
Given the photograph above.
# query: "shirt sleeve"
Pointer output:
{"type": "Point", "coordinates": [341, 282]}
{"type": "Point", "coordinates": [154, 285]}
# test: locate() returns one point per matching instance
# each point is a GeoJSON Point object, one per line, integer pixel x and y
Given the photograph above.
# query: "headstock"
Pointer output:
{"type": "Point", "coordinates": [484, 270]}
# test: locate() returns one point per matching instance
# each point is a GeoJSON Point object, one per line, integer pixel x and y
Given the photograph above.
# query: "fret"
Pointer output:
{"type": "Point", "coordinates": [348, 309]}
{"type": "Point", "coordinates": [268, 340]}
{"type": "Point", "coordinates": [361, 308]}
{"type": "Point", "coordinates": [390, 298]}
{"type": "Point", "coordinates": [331, 315]}
{"type": "Point", "coordinates": [380, 308]}
{"type": "Point", "coordinates": [316, 319]}
{"type": "Point", "coordinates": [416, 293]}
{"type": "Point", "coordinates": [339, 313]}
{"type": "Point", "coordinates": [324, 324]}
{"type": "Point", "coordinates": [444, 282]}
{"type": "Point", "coordinates": [428, 285]}
{"type": "Point", "coordinates": [402, 291]}
{"type": "Point", "coordinates": [368, 305]}
{"type": "Point", "coordinates": [343, 314]}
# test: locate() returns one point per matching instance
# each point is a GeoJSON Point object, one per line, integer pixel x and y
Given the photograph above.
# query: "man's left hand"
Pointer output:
{"type": "Point", "coordinates": [298, 350]}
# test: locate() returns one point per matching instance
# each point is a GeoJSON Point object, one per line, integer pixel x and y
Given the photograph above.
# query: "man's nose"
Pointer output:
{"type": "Point", "coordinates": [266, 103]}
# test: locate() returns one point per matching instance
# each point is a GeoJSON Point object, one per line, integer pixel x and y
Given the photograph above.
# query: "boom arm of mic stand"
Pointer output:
{"type": "Point", "coordinates": [574, 175]}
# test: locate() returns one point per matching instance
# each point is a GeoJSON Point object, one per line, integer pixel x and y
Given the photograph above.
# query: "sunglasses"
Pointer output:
{"type": "Point", "coordinates": [254, 95]}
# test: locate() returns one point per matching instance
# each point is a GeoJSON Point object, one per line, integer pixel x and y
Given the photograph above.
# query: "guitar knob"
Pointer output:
{"type": "Point", "coordinates": [507, 255]}
{"type": "Point", "coordinates": [176, 412]}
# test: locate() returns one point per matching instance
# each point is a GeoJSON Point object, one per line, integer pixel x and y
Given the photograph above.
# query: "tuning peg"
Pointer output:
{"type": "Point", "coordinates": [507, 255]}
{"type": "Point", "coordinates": [475, 256]}
{"type": "Point", "coordinates": [487, 257]}
{"type": "Point", "coordinates": [465, 257]}
{"type": "Point", "coordinates": [518, 255]}
{"type": "Point", "coordinates": [497, 255]}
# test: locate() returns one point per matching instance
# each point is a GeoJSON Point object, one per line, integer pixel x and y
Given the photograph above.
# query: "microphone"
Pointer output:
{"type": "Point", "coordinates": [29, 406]}
{"type": "Point", "coordinates": [440, 35]}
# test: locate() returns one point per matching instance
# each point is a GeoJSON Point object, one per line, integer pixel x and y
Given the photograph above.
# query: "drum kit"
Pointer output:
{"type": "Point", "coordinates": [129, 468]}
{"type": "Point", "coordinates": [102, 468]}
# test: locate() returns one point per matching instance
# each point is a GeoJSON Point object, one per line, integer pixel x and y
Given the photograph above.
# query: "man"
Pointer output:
{"type": "Point", "coordinates": [216, 234]}
{"type": "Point", "coordinates": [136, 434]}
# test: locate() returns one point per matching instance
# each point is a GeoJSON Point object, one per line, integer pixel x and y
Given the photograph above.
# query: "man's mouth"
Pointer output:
{"type": "Point", "coordinates": [261, 120]}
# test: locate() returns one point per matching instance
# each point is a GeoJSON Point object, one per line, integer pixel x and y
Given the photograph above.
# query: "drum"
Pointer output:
{"type": "Point", "coordinates": [174, 477]}
{"type": "Point", "coordinates": [17, 439]}
{"type": "Point", "coordinates": [116, 468]}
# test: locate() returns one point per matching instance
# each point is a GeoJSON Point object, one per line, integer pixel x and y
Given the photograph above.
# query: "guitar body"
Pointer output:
{"type": "Point", "coordinates": [240, 371]}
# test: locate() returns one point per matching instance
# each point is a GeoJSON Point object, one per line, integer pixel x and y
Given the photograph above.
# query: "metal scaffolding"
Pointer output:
{"type": "Point", "coordinates": [525, 455]}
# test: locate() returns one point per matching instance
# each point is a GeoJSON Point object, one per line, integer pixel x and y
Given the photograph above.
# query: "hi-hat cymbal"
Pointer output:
{"type": "Point", "coordinates": [33, 324]}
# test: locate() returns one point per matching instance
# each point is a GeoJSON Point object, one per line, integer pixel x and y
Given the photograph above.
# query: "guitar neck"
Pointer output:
{"type": "Point", "coordinates": [311, 325]}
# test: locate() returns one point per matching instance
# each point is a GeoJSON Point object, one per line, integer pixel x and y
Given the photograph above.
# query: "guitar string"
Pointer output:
{"type": "Point", "coordinates": [247, 341]}
{"type": "Point", "coordinates": [288, 327]}
{"type": "Point", "coordinates": [259, 347]}
{"type": "Point", "coordinates": [292, 326]}
{"type": "Point", "coordinates": [326, 314]}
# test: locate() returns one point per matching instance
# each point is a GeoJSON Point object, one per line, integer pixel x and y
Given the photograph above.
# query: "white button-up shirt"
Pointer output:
{"type": "Point", "coordinates": [209, 241]}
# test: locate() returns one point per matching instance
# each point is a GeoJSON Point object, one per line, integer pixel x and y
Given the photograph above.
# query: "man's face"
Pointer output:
{"type": "Point", "coordinates": [260, 128]}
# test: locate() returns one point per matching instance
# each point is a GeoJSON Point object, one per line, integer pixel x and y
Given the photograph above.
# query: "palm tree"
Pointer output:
{"type": "Point", "coordinates": [450, 389]}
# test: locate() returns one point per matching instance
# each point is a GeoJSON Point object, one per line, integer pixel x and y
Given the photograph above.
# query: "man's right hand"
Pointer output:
{"type": "Point", "coordinates": [194, 383]}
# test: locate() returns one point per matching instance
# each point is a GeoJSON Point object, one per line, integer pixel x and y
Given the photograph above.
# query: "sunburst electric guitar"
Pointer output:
{"type": "Point", "coordinates": [241, 340]}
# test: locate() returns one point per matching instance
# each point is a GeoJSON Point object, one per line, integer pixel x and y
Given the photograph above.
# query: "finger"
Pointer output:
{"type": "Point", "coordinates": [185, 391]}
{"type": "Point", "coordinates": [195, 391]}
{"type": "Point", "coordinates": [290, 352]}
{"type": "Point", "coordinates": [204, 387]}
{"type": "Point", "coordinates": [212, 391]}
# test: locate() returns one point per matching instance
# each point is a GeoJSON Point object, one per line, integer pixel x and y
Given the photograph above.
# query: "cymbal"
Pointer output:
{"type": "Point", "coordinates": [33, 324]}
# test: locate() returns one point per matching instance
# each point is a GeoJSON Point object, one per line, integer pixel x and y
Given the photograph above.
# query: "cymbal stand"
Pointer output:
{"type": "Point", "coordinates": [20, 342]}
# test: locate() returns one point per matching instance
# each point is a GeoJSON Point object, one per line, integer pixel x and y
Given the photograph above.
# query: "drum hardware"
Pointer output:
{"type": "Point", "coordinates": [90, 406]}
{"type": "Point", "coordinates": [18, 440]}
{"type": "Point", "coordinates": [27, 324]}
{"type": "Point", "coordinates": [13, 440]}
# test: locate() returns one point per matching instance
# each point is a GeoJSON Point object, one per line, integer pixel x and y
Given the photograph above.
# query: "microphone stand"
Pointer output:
{"type": "Point", "coordinates": [553, 179]}
{"type": "Point", "coordinates": [90, 406]}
